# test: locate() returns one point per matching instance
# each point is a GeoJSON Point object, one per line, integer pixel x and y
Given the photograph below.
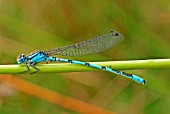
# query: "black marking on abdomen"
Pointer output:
{"type": "Point", "coordinates": [103, 67]}
{"type": "Point", "coordinates": [70, 61]}
{"type": "Point", "coordinates": [87, 64]}
{"type": "Point", "coordinates": [144, 81]}
{"type": "Point", "coordinates": [116, 70]}
{"type": "Point", "coordinates": [54, 58]}
{"type": "Point", "coordinates": [127, 74]}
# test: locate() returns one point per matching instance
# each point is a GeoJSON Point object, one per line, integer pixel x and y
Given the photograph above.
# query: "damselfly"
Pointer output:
{"type": "Point", "coordinates": [90, 46]}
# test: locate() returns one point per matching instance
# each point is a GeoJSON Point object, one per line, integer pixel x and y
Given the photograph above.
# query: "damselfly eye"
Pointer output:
{"type": "Point", "coordinates": [22, 55]}
{"type": "Point", "coordinates": [21, 58]}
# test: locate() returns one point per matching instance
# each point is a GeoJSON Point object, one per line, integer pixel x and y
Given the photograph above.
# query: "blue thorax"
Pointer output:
{"type": "Point", "coordinates": [35, 57]}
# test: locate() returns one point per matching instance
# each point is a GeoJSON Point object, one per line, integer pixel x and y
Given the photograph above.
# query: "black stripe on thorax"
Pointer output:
{"type": "Point", "coordinates": [32, 56]}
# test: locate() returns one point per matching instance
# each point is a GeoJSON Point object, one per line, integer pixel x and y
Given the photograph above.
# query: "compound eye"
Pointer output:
{"type": "Point", "coordinates": [22, 55]}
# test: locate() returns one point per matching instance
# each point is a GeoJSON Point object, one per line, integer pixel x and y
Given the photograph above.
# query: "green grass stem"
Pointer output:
{"type": "Point", "coordinates": [67, 67]}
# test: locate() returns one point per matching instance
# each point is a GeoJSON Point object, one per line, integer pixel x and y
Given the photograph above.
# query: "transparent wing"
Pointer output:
{"type": "Point", "coordinates": [90, 46]}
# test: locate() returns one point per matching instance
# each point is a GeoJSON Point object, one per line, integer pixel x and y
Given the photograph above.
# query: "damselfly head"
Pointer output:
{"type": "Point", "coordinates": [21, 59]}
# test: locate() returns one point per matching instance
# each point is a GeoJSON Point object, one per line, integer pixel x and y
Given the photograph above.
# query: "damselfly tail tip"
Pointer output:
{"type": "Point", "coordinates": [144, 81]}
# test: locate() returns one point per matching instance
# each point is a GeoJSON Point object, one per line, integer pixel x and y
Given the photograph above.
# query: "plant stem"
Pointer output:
{"type": "Point", "coordinates": [67, 67]}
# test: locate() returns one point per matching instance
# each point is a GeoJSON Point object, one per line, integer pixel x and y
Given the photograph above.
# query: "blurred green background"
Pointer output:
{"type": "Point", "coordinates": [30, 25]}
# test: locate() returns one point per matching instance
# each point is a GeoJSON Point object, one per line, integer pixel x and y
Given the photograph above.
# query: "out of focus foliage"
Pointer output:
{"type": "Point", "coordinates": [29, 25]}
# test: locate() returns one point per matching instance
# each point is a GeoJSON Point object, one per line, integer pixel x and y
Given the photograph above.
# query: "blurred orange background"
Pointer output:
{"type": "Point", "coordinates": [27, 25]}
